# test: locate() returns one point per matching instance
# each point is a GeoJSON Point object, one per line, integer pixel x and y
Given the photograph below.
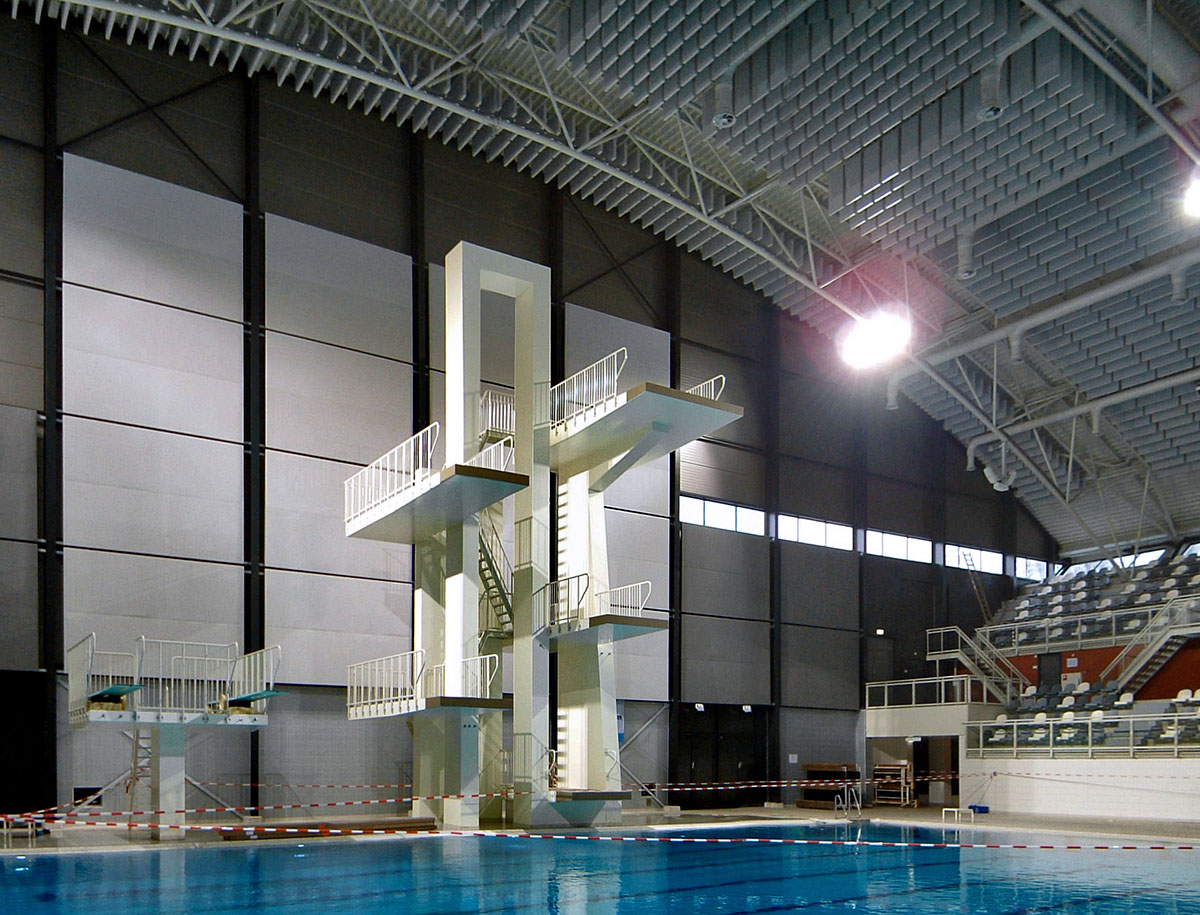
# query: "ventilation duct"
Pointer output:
{"type": "Point", "coordinates": [966, 254]}
{"type": "Point", "coordinates": [992, 97]}
{"type": "Point", "coordinates": [723, 116]}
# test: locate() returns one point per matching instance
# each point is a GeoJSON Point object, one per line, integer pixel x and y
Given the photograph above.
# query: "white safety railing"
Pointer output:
{"type": "Point", "coordinates": [90, 672]}
{"type": "Point", "coordinates": [1169, 734]}
{"type": "Point", "coordinates": [497, 414]}
{"type": "Point", "coordinates": [560, 601]}
{"type": "Point", "coordinates": [712, 389]}
{"type": "Point", "coordinates": [384, 686]}
{"type": "Point", "coordinates": [1178, 617]}
{"type": "Point", "coordinates": [252, 675]}
{"type": "Point", "coordinates": [183, 676]}
{"type": "Point", "coordinates": [1002, 679]}
{"type": "Point", "coordinates": [627, 600]}
{"type": "Point", "coordinates": [532, 758]}
{"type": "Point", "coordinates": [496, 456]}
{"type": "Point", "coordinates": [587, 392]}
{"type": "Point", "coordinates": [955, 689]}
{"type": "Point", "coordinates": [1066, 631]}
{"type": "Point", "coordinates": [407, 465]}
{"type": "Point", "coordinates": [477, 676]}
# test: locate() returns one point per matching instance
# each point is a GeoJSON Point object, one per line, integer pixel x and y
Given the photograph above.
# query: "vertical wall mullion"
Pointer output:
{"type": "Point", "coordinates": [254, 393]}
{"type": "Point", "coordinates": [50, 483]}
{"type": "Point", "coordinates": [421, 356]}
{"type": "Point", "coordinates": [673, 301]}
{"type": "Point", "coordinates": [772, 394]}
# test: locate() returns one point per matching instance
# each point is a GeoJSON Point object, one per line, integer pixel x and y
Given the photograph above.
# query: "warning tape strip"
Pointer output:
{"type": "Point", "coordinates": [263, 785]}
{"type": "Point", "coordinates": [324, 830]}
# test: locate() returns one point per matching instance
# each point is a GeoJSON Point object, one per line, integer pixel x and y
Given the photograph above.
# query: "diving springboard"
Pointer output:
{"type": "Point", "coordinates": [646, 422]}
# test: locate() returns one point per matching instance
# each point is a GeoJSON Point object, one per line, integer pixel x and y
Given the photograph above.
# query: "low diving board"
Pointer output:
{"type": "Point", "coordinates": [459, 491]}
{"type": "Point", "coordinates": [115, 691]}
{"type": "Point", "coordinates": [646, 422]}
{"type": "Point", "coordinates": [255, 696]}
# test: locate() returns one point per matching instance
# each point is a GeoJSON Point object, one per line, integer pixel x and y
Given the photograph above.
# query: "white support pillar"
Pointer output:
{"type": "Point", "coordinates": [168, 779]}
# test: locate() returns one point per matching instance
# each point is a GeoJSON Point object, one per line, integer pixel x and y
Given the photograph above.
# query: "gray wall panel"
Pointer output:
{"type": "Point", "coordinates": [814, 735]}
{"type": "Point", "coordinates": [122, 597]}
{"type": "Point", "coordinates": [20, 346]}
{"type": "Point", "coordinates": [331, 402]}
{"type": "Point", "coordinates": [641, 665]}
{"type": "Point", "coordinates": [153, 492]}
{"type": "Point", "coordinates": [145, 238]}
{"type": "Point", "coordinates": [817, 418]}
{"type": "Point", "coordinates": [646, 756]}
{"type": "Point", "coordinates": [820, 667]}
{"type": "Point", "coordinates": [745, 382]}
{"type": "Point", "coordinates": [900, 507]}
{"type": "Point", "coordinates": [819, 586]}
{"type": "Point", "coordinates": [141, 363]}
{"type": "Point", "coordinates": [18, 473]}
{"type": "Point", "coordinates": [305, 523]}
{"type": "Point", "coordinates": [18, 606]}
{"type": "Point", "coordinates": [592, 335]}
{"type": "Point", "coordinates": [816, 491]}
{"type": "Point", "coordinates": [725, 661]}
{"type": "Point", "coordinates": [708, 469]}
{"type": "Point", "coordinates": [638, 551]}
{"type": "Point", "coordinates": [21, 209]}
{"type": "Point", "coordinates": [21, 77]}
{"type": "Point", "coordinates": [338, 290]}
{"type": "Point", "coordinates": [324, 623]}
{"type": "Point", "coordinates": [719, 311]}
{"type": "Point", "coordinates": [975, 521]}
{"type": "Point", "coordinates": [725, 573]}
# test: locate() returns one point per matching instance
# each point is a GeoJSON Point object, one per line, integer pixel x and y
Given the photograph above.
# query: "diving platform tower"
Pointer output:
{"type": "Point", "coordinates": [471, 599]}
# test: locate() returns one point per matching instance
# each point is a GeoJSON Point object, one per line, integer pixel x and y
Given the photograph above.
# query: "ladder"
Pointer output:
{"type": "Point", "coordinates": [977, 587]}
{"type": "Point", "coordinates": [137, 785]}
{"type": "Point", "coordinates": [495, 575]}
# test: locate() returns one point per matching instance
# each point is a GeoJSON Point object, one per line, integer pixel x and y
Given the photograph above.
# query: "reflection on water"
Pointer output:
{"type": "Point", "coordinates": [459, 874]}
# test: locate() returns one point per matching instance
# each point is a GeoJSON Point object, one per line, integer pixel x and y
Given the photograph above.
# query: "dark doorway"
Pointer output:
{"type": "Point", "coordinates": [1049, 671]}
{"type": "Point", "coordinates": [881, 658]}
{"type": "Point", "coordinates": [722, 743]}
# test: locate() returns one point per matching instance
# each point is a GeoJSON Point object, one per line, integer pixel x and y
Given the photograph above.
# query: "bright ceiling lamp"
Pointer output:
{"type": "Point", "coordinates": [875, 339]}
{"type": "Point", "coordinates": [1191, 198]}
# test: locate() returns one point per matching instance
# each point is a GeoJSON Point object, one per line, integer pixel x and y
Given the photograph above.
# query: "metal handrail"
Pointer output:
{"type": "Point", "coordinates": [496, 456]}
{"type": "Point", "coordinates": [1002, 677]}
{"type": "Point", "coordinates": [712, 389]}
{"type": "Point", "coordinates": [183, 677]}
{"type": "Point", "coordinates": [1029, 635]}
{"type": "Point", "coordinates": [1177, 613]}
{"type": "Point", "coordinates": [478, 674]}
{"type": "Point", "coordinates": [627, 600]}
{"type": "Point", "coordinates": [384, 686]}
{"type": "Point", "coordinates": [407, 465]}
{"type": "Point", "coordinates": [254, 673]}
{"type": "Point", "coordinates": [587, 390]}
{"type": "Point", "coordinates": [559, 601]}
{"type": "Point", "coordinates": [497, 413]}
{"type": "Point", "coordinates": [955, 689]}
{"type": "Point", "coordinates": [1119, 735]}
{"type": "Point", "coordinates": [495, 548]}
{"type": "Point", "coordinates": [90, 671]}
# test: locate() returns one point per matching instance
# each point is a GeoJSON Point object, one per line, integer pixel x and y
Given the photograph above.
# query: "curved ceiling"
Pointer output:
{"type": "Point", "coordinates": [1010, 171]}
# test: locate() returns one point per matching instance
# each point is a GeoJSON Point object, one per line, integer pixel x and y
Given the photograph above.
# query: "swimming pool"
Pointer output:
{"type": "Point", "coordinates": [471, 874]}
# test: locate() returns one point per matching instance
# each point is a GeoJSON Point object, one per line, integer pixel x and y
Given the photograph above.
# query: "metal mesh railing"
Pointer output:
{"type": "Point", "coordinates": [404, 467]}
{"type": "Point", "coordinates": [712, 389]}
{"type": "Point", "coordinates": [384, 686]}
{"type": "Point", "coordinates": [587, 391]}
{"type": "Point", "coordinates": [627, 600]}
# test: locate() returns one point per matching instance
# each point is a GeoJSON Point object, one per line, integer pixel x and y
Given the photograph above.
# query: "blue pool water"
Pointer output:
{"type": "Point", "coordinates": [461, 874]}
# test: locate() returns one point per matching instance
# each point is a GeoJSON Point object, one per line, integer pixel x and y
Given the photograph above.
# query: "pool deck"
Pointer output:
{"type": "Point", "coordinates": [112, 838]}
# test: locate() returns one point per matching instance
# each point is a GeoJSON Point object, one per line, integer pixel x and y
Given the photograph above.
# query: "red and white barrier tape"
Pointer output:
{"type": "Point", "coordinates": [262, 785]}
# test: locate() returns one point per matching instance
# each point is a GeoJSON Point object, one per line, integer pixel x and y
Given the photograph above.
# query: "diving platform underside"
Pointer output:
{"type": "Point", "coordinates": [612, 627]}
{"type": "Point", "coordinates": [590, 794]}
{"type": "Point", "coordinates": [443, 706]}
{"type": "Point", "coordinates": [144, 719]}
{"type": "Point", "coordinates": [647, 422]}
{"type": "Point", "coordinates": [460, 491]}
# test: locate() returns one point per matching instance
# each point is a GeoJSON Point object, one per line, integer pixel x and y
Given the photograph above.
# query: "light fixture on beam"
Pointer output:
{"type": "Point", "coordinates": [875, 339]}
{"type": "Point", "coordinates": [1191, 198]}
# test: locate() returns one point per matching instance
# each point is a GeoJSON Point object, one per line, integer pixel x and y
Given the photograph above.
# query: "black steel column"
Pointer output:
{"type": "Point", "coordinates": [420, 279]}
{"type": "Point", "coordinates": [859, 508]}
{"type": "Point", "coordinates": [771, 395]}
{"type": "Point", "coordinates": [50, 467]}
{"type": "Point", "coordinates": [556, 202]}
{"type": "Point", "coordinates": [254, 415]}
{"type": "Point", "coordinates": [673, 301]}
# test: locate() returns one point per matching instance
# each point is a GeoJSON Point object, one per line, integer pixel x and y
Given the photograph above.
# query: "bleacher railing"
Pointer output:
{"type": "Point", "coordinates": [496, 456]}
{"type": "Point", "coordinates": [1170, 734]}
{"type": "Point", "coordinates": [90, 671]}
{"type": "Point", "coordinates": [1064, 631]}
{"type": "Point", "coordinates": [477, 676]}
{"type": "Point", "coordinates": [712, 389]}
{"type": "Point", "coordinates": [404, 467]}
{"type": "Point", "coordinates": [627, 600]}
{"type": "Point", "coordinates": [1003, 680]}
{"type": "Point", "coordinates": [384, 686]}
{"type": "Point", "coordinates": [183, 677]}
{"type": "Point", "coordinates": [1180, 616]}
{"type": "Point", "coordinates": [954, 689]}
{"type": "Point", "coordinates": [497, 413]}
{"type": "Point", "coordinates": [589, 391]}
{"type": "Point", "coordinates": [560, 601]}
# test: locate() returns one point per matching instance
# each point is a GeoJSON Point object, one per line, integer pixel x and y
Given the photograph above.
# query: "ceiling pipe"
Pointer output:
{"type": "Point", "coordinates": [1016, 329]}
{"type": "Point", "coordinates": [966, 253]}
{"type": "Point", "coordinates": [1092, 407]}
{"type": "Point", "coordinates": [1169, 54]}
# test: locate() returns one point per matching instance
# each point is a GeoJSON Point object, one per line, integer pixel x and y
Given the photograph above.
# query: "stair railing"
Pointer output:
{"type": "Point", "coordinates": [497, 413]}
{"type": "Point", "coordinates": [404, 467]}
{"type": "Point", "coordinates": [384, 686]}
{"type": "Point", "coordinates": [1002, 679]}
{"type": "Point", "coordinates": [711, 389]}
{"type": "Point", "coordinates": [627, 600]}
{"type": "Point", "coordinates": [560, 601]}
{"type": "Point", "coordinates": [587, 391]}
{"type": "Point", "coordinates": [1178, 613]}
{"type": "Point", "coordinates": [496, 456]}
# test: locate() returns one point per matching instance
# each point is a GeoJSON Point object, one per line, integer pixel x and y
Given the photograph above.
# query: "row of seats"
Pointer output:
{"type": "Point", "coordinates": [1082, 697]}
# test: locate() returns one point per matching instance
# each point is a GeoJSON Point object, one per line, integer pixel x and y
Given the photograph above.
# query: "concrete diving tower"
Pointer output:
{"type": "Point", "coordinates": [159, 691]}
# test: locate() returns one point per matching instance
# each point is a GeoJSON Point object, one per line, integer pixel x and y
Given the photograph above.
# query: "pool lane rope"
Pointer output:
{"type": "Point", "coordinates": [322, 831]}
